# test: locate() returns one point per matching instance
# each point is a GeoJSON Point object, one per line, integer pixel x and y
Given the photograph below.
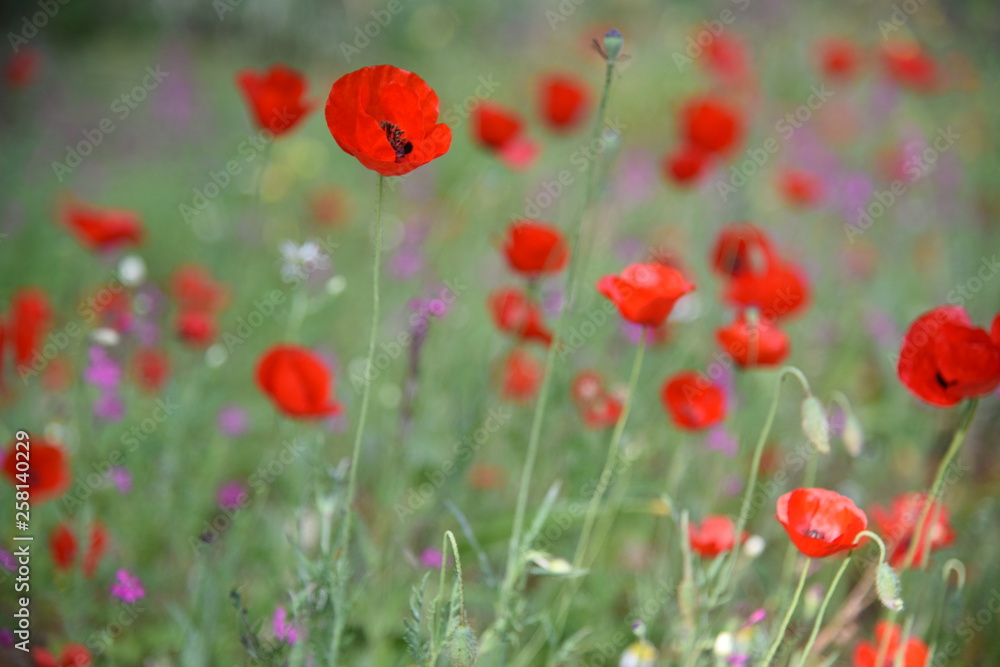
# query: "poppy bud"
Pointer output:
{"type": "Point", "coordinates": [815, 424]}
{"type": "Point", "coordinates": [613, 43]}
{"type": "Point", "coordinates": [462, 648]}
{"type": "Point", "coordinates": [853, 436]}
{"type": "Point", "coordinates": [887, 587]}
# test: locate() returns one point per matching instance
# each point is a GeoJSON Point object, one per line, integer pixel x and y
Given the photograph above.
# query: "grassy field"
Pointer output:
{"type": "Point", "coordinates": [906, 222]}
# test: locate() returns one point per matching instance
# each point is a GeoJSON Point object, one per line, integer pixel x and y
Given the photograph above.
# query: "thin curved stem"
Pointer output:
{"type": "Point", "coordinates": [340, 618]}
{"type": "Point", "coordinates": [780, 635]}
{"type": "Point", "coordinates": [822, 610]}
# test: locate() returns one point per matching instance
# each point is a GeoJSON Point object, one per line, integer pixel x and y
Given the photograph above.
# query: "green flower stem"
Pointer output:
{"type": "Point", "coordinates": [583, 545]}
{"type": "Point", "coordinates": [340, 617]}
{"type": "Point", "coordinates": [513, 570]}
{"type": "Point", "coordinates": [822, 610]}
{"type": "Point", "coordinates": [788, 616]}
{"type": "Point", "coordinates": [754, 471]}
{"type": "Point", "coordinates": [935, 495]}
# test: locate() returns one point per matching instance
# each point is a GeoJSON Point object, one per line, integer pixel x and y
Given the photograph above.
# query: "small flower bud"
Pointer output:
{"type": "Point", "coordinates": [888, 588]}
{"type": "Point", "coordinates": [853, 436]}
{"type": "Point", "coordinates": [462, 648]}
{"type": "Point", "coordinates": [613, 43]}
{"type": "Point", "coordinates": [815, 424]}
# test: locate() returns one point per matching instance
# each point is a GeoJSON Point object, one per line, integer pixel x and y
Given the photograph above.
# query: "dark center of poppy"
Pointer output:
{"type": "Point", "coordinates": [397, 140]}
{"type": "Point", "coordinates": [815, 534]}
{"type": "Point", "coordinates": [944, 384]}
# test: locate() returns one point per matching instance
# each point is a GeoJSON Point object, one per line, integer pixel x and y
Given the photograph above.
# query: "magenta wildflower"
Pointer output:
{"type": "Point", "coordinates": [283, 630]}
{"type": "Point", "coordinates": [121, 478]}
{"type": "Point", "coordinates": [232, 495]}
{"type": "Point", "coordinates": [233, 421]}
{"type": "Point", "coordinates": [127, 587]}
{"type": "Point", "coordinates": [431, 558]}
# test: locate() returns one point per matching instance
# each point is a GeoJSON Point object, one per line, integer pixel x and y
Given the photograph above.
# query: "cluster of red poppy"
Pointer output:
{"type": "Point", "coordinates": [709, 128]}
{"type": "Point", "coordinates": [563, 104]}
{"type": "Point", "coordinates": [532, 250]}
{"type": "Point", "coordinates": [598, 407]}
{"type": "Point", "coordinates": [101, 229]}
{"type": "Point", "coordinates": [200, 299]}
{"type": "Point", "coordinates": [911, 653]}
{"type": "Point", "coordinates": [65, 549]}
{"type": "Point", "coordinates": [764, 287]}
{"type": "Point", "coordinates": [715, 535]}
{"type": "Point", "coordinates": [24, 326]}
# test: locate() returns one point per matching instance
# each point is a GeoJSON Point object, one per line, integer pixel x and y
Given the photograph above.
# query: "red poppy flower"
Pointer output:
{"type": "Point", "coordinates": [693, 401]}
{"type": "Point", "coordinates": [22, 68]}
{"type": "Point", "coordinates": [520, 376]}
{"type": "Point", "coordinates": [898, 525]}
{"type": "Point", "coordinates": [194, 289]}
{"type": "Point", "coordinates": [516, 315]}
{"type": "Point", "coordinates": [839, 58]}
{"type": "Point", "coordinates": [43, 658]}
{"type": "Point", "coordinates": [779, 291]}
{"type": "Point", "coordinates": [276, 97]}
{"type": "Point", "coordinates": [486, 477]}
{"type": "Point", "coordinates": [741, 248]}
{"type": "Point", "coordinates": [913, 653]}
{"type": "Point", "coordinates": [48, 474]}
{"type": "Point", "coordinates": [101, 229]}
{"type": "Point", "coordinates": [710, 124]}
{"type": "Point", "coordinates": [800, 188]}
{"type": "Point", "coordinates": [563, 101]}
{"type": "Point", "coordinates": [150, 368]}
{"type": "Point", "coordinates": [685, 164]}
{"type": "Point", "coordinates": [945, 359]}
{"type": "Point", "coordinates": [386, 117]}
{"type": "Point", "coordinates": [62, 544]}
{"type": "Point", "coordinates": [751, 344]}
{"type": "Point", "coordinates": [196, 328]}
{"type": "Point", "coordinates": [329, 205]}
{"type": "Point", "coordinates": [601, 413]}
{"type": "Point", "coordinates": [910, 66]}
{"type": "Point", "coordinates": [75, 655]}
{"type": "Point", "coordinates": [587, 386]}
{"type": "Point", "coordinates": [727, 58]}
{"type": "Point", "coordinates": [501, 131]}
{"type": "Point", "coordinates": [534, 248]}
{"type": "Point", "coordinates": [645, 293]}
{"type": "Point", "coordinates": [715, 534]}
{"type": "Point", "coordinates": [819, 522]}
{"type": "Point", "coordinates": [30, 316]}
{"type": "Point", "coordinates": [297, 381]}
{"type": "Point", "coordinates": [64, 548]}
{"type": "Point", "coordinates": [113, 309]}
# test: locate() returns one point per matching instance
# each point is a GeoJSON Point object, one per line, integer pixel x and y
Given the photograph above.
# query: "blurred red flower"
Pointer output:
{"type": "Point", "coordinates": [715, 534]}
{"type": "Point", "coordinates": [520, 377]}
{"type": "Point", "coordinates": [685, 164]}
{"type": "Point", "coordinates": [386, 117]}
{"type": "Point", "coordinates": [751, 344]}
{"type": "Point", "coordinates": [28, 322]}
{"type": "Point", "coordinates": [645, 293]}
{"type": "Point", "coordinates": [913, 653]}
{"type": "Point", "coordinates": [741, 248]}
{"type": "Point", "coordinates": [22, 68]}
{"type": "Point", "coordinates": [195, 327]}
{"type": "Point", "coordinates": [297, 381]}
{"type": "Point", "coordinates": [151, 368]}
{"type": "Point", "coordinates": [898, 524]}
{"type": "Point", "coordinates": [839, 57]}
{"type": "Point", "coordinates": [598, 407]}
{"type": "Point", "coordinates": [910, 66]}
{"type": "Point", "coordinates": [944, 359]}
{"type": "Point", "coordinates": [516, 315]}
{"type": "Point", "coordinates": [727, 58]}
{"type": "Point", "coordinates": [711, 124]}
{"type": "Point", "coordinates": [533, 248]}
{"type": "Point", "coordinates": [194, 289]}
{"type": "Point", "coordinates": [564, 101]}
{"type": "Point", "coordinates": [501, 131]}
{"type": "Point", "coordinates": [800, 188]}
{"type": "Point", "coordinates": [693, 401]}
{"type": "Point", "coordinates": [820, 522]}
{"type": "Point", "coordinates": [779, 291]}
{"type": "Point", "coordinates": [99, 228]}
{"type": "Point", "coordinates": [48, 474]}
{"type": "Point", "coordinates": [64, 547]}
{"type": "Point", "coordinates": [276, 97]}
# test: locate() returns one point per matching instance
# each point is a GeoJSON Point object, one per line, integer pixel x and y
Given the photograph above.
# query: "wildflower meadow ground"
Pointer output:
{"type": "Point", "coordinates": [523, 333]}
